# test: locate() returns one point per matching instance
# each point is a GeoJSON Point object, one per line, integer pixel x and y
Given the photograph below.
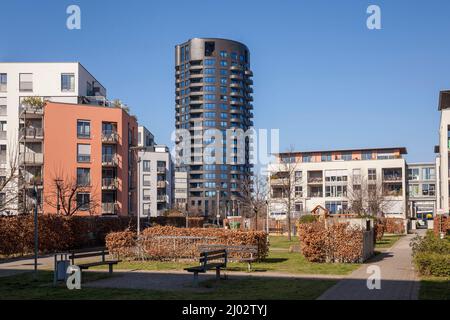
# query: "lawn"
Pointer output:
{"type": "Point", "coordinates": [278, 260]}
{"type": "Point", "coordinates": [435, 288]}
{"type": "Point", "coordinates": [387, 241]}
{"type": "Point", "coordinates": [24, 287]}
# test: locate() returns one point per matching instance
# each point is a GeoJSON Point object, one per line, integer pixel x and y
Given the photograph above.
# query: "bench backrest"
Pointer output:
{"type": "Point", "coordinates": [240, 249]}
{"type": "Point", "coordinates": [213, 255]}
{"type": "Point", "coordinates": [88, 253]}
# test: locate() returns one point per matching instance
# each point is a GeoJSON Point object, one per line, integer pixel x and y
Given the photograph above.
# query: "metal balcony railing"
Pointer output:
{"type": "Point", "coordinates": [31, 133]}
{"type": "Point", "coordinates": [109, 208]}
{"type": "Point", "coordinates": [109, 159]}
{"type": "Point", "coordinates": [109, 183]}
{"type": "Point", "coordinates": [110, 136]}
{"type": "Point", "coordinates": [31, 158]}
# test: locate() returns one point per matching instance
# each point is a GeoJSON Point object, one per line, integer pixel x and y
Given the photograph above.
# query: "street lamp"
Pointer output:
{"type": "Point", "coordinates": [136, 150]}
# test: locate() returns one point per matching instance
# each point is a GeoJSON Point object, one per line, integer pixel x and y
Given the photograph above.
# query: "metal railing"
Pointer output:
{"type": "Point", "coordinates": [31, 133]}
{"type": "Point", "coordinates": [31, 158]}
{"type": "Point", "coordinates": [110, 136]}
{"type": "Point", "coordinates": [109, 182]}
{"type": "Point", "coordinates": [109, 159]}
{"type": "Point", "coordinates": [109, 208]}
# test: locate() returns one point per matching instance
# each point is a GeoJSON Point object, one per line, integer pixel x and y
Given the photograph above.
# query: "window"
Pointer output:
{"type": "Point", "coordinates": [299, 207]}
{"type": "Point", "coordinates": [336, 206]}
{"type": "Point", "coordinates": [298, 176]}
{"type": "Point", "coordinates": [429, 174]}
{"type": "Point", "coordinates": [413, 190]}
{"type": "Point", "coordinates": [223, 54]}
{"type": "Point", "coordinates": [146, 166]}
{"type": "Point", "coordinates": [428, 189]}
{"type": "Point", "coordinates": [372, 174]}
{"type": "Point", "coordinates": [26, 82]}
{"type": "Point", "coordinates": [209, 79]}
{"type": "Point", "coordinates": [3, 82]}
{"type": "Point", "coordinates": [67, 82]}
{"type": "Point", "coordinates": [83, 176]}
{"type": "Point", "coordinates": [367, 155]}
{"type": "Point", "coordinates": [306, 158]}
{"type": "Point", "coordinates": [146, 209]}
{"type": "Point", "coordinates": [83, 129]}
{"type": "Point", "coordinates": [413, 174]}
{"type": "Point", "coordinates": [298, 191]}
{"type": "Point", "coordinates": [347, 156]}
{"type": "Point", "coordinates": [83, 152]}
{"type": "Point", "coordinates": [326, 157]}
{"type": "Point", "coordinates": [209, 62]}
{"type": "Point", "coordinates": [210, 47]}
{"type": "Point", "coordinates": [210, 71]}
{"type": "Point", "coordinates": [335, 191]}
{"type": "Point", "coordinates": [223, 63]}
{"type": "Point", "coordinates": [146, 180]}
{"type": "Point", "coordinates": [146, 194]}
{"type": "Point", "coordinates": [83, 201]}
{"type": "Point", "coordinates": [3, 107]}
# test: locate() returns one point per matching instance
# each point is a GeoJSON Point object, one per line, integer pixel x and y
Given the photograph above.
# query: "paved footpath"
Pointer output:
{"type": "Point", "coordinates": [399, 280]}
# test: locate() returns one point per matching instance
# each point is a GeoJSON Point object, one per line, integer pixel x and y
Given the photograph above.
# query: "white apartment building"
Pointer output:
{"type": "Point", "coordinates": [155, 176]}
{"type": "Point", "coordinates": [327, 179]}
{"type": "Point", "coordinates": [21, 131]}
{"type": "Point", "coordinates": [421, 189]}
{"type": "Point", "coordinates": [442, 161]}
{"type": "Point", "coordinates": [181, 190]}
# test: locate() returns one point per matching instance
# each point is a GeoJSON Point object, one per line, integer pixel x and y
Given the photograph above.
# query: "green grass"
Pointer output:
{"type": "Point", "coordinates": [24, 287]}
{"type": "Point", "coordinates": [435, 288]}
{"type": "Point", "coordinates": [387, 241]}
{"type": "Point", "coordinates": [280, 260]}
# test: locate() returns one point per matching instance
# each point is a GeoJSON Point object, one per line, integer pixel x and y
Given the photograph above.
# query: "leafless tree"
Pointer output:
{"type": "Point", "coordinates": [254, 195]}
{"type": "Point", "coordinates": [283, 183]}
{"type": "Point", "coordinates": [9, 181]}
{"type": "Point", "coordinates": [63, 195]}
{"type": "Point", "coordinates": [367, 197]}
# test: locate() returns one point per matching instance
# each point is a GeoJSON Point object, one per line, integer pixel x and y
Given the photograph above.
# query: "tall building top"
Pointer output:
{"type": "Point", "coordinates": [444, 100]}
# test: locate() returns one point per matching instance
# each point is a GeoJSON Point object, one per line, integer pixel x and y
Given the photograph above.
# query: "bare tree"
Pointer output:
{"type": "Point", "coordinates": [367, 197]}
{"type": "Point", "coordinates": [63, 196]}
{"type": "Point", "coordinates": [253, 197]}
{"type": "Point", "coordinates": [283, 183]}
{"type": "Point", "coordinates": [9, 181]}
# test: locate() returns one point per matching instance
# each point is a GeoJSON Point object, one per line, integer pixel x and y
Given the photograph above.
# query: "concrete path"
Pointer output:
{"type": "Point", "coordinates": [399, 280]}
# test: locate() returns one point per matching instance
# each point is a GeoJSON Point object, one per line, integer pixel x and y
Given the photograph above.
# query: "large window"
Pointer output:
{"type": "Point", "coordinates": [413, 190]}
{"type": "Point", "coordinates": [335, 191]}
{"type": "Point", "coordinates": [83, 201]}
{"type": "Point", "coordinates": [3, 107]}
{"type": "Point", "coordinates": [146, 166]}
{"type": "Point", "coordinates": [372, 174]}
{"type": "Point", "coordinates": [429, 174]}
{"type": "Point", "coordinates": [336, 206]}
{"type": "Point", "coordinates": [326, 157]}
{"type": "Point", "coordinates": [428, 189]}
{"type": "Point", "coordinates": [146, 194]}
{"type": "Point", "coordinates": [299, 191]}
{"type": "Point", "coordinates": [83, 176]}
{"type": "Point", "coordinates": [146, 180]}
{"type": "Point", "coordinates": [83, 129]}
{"type": "Point", "coordinates": [413, 174]}
{"type": "Point", "coordinates": [83, 152]}
{"type": "Point", "coordinates": [346, 156]}
{"type": "Point", "coordinates": [3, 82]}
{"type": "Point", "coordinates": [366, 155]}
{"type": "Point", "coordinates": [67, 82]}
{"type": "Point", "coordinates": [26, 82]}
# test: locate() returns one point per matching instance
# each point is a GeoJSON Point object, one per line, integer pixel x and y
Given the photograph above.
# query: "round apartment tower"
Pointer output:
{"type": "Point", "coordinates": [214, 107]}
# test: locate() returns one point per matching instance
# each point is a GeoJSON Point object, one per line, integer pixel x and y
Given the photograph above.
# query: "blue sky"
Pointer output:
{"type": "Point", "coordinates": [320, 75]}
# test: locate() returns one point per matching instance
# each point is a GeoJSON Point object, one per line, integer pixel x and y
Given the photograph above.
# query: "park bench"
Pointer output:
{"type": "Point", "coordinates": [247, 253]}
{"type": "Point", "coordinates": [213, 259]}
{"type": "Point", "coordinates": [92, 252]}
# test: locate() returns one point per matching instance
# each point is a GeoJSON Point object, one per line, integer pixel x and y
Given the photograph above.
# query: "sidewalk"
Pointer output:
{"type": "Point", "coordinates": [399, 281]}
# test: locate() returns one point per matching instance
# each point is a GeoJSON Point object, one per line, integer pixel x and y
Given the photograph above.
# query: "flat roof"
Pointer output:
{"type": "Point", "coordinates": [401, 149]}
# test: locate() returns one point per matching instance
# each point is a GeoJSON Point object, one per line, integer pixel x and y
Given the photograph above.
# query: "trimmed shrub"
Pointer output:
{"type": "Point", "coordinates": [338, 242]}
{"type": "Point", "coordinates": [308, 218]}
{"type": "Point", "coordinates": [163, 243]}
{"type": "Point", "coordinates": [441, 224]}
{"type": "Point", "coordinates": [394, 226]}
{"type": "Point", "coordinates": [122, 244]}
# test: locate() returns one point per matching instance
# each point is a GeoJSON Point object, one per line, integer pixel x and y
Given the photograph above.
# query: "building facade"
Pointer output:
{"type": "Point", "coordinates": [443, 153]}
{"type": "Point", "coordinates": [337, 179]}
{"type": "Point", "coordinates": [21, 132]}
{"type": "Point", "coordinates": [181, 190]}
{"type": "Point", "coordinates": [213, 94]}
{"type": "Point", "coordinates": [421, 189]}
{"type": "Point", "coordinates": [90, 151]}
{"type": "Point", "coordinates": [155, 181]}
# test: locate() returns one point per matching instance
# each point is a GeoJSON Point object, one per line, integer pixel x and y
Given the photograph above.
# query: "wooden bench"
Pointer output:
{"type": "Point", "coordinates": [93, 252]}
{"type": "Point", "coordinates": [213, 259]}
{"type": "Point", "coordinates": [250, 252]}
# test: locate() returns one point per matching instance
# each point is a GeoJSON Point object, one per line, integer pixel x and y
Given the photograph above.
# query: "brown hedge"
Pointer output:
{"type": "Point", "coordinates": [394, 225]}
{"type": "Point", "coordinates": [337, 242]}
{"type": "Point", "coordinates": [441, 224]}
{"type": "Point", "coordinates": [162, 243]}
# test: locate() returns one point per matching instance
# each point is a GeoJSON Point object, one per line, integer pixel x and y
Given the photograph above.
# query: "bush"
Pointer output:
{"type": "Point", "coordinates": [162, 243]}
{"type": "Point", "coordinates": [379, 226]}
{"type": "Point", "coordinates": [441, 224]}
{"type": "Point", "coordinates": [431, 255]}
{"type": "Point", "coordinates": [394, 225]}
{"type": "Point", "coordinates": [308, 218]}
{"type": "Point", "coordinates": [433, 264]}
{"type": "Point", "coordinates": [339, 242]}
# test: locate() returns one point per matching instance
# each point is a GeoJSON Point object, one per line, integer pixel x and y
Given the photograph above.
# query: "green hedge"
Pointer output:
{"type": "Point", "coordinates": [433, 264]}
{"type": "Point", "coordinates": [309, 218]}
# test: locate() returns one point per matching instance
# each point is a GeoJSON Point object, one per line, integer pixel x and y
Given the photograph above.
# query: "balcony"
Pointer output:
{"type": "Point", "coordinates": [94, 100]}
{"type": "Point", "coordinates": [161, 170]}
{"type": "Point", "coordinates": [27, 111]}
{"type": "Point", "coordinates": [36, 134]}
{"type": "Point", "coordinates": [109, 208]}
{"type": "Point", "coordinates": [109, 184]}
{"type": "Point", "coordinates": [109, 160]}
{"type": "Point", "coordinates": [161, 184]}
{"type": "Point", "coordinates": [31, 158]}
{"type": "Point", "coordinates": [249, 73]}
{"type": "Point", "coordinates": [162, 198]}
{"type": "Point", "coordinates": [315, 180]}
{"type": "Point", "coordinates": [110, 137]}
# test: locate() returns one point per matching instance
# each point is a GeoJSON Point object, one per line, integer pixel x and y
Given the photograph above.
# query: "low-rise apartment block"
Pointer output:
{"type": "Point", "coordinates": [443, 150]}
{"type": "Point", "coordinates": [338, 179]}
{"type": "Point", "coordinates": [421, 189]}
{"type": "Point", "coordinates": [87, 157]}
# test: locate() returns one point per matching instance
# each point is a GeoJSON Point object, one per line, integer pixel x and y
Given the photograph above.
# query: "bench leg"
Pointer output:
{"type": "Point", "coordinates": [217, 273]}
{"type": "Point", "coordinates": [195, 279]}
{"type": "Point", "coordinates": [110, 269]}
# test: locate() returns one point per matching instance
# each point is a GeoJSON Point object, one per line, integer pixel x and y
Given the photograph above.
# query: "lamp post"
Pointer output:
{"type": "Point", "coordinates": [36, 230]}
{"type": "Point", "coordinates": [136, 150]}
